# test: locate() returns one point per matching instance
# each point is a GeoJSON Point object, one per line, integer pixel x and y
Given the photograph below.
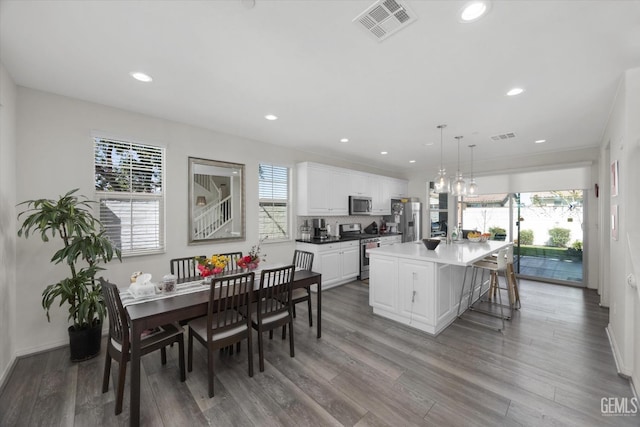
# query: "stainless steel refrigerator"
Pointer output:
{"type": "Point", "coordinates": [407, 214]}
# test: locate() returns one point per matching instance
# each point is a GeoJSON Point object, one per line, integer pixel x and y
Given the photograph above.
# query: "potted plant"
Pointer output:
{"type": "Point", "coordinates": [85, 245]}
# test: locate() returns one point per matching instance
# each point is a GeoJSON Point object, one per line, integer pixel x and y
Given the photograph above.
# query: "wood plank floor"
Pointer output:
{"type": "Point", "coordinates": [551, 366]}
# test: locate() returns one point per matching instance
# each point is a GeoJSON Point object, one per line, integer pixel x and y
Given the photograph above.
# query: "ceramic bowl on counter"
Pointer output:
{"type": "Point", "coordinates": [431, 244]}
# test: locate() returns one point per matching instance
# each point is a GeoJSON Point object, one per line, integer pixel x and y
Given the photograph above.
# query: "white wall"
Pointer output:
{"type": "Point", "coordinates": [7, 221]}
{"type": "Point", "coordinates": [621, 142]}
{"type": "Point", "coordinates": [55, 154]}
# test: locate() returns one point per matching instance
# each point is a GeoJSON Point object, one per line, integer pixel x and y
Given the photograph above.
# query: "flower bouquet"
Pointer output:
{"type": "Point", "coordinates": [211, 266]}
{"type": "Point", "coordinates": [252, 259]}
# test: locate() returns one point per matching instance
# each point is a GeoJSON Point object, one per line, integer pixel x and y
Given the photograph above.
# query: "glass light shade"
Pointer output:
{"type": "Point", "coordinates": [458, 188]}
{"type": "Point", "coordinates": [201, 201]}
{"type": "Point", "coordinates": [441, 182]}
{"type": "Point", "coordinates": [472, 189]}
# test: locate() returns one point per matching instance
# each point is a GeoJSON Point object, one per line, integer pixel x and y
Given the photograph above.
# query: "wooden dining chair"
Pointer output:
{"type": "Point", "coordinates": [118, 346]}
{"type": "Point", "coordinates": [302, 260]}
{"type": "Point", "coordinates": [233, 258]}
{"type": "Point", "coordinates": [274, 306]}
{"type": "Point", "coordinates": [226, 322]}
{"type": "Point", "coordinates": [184, 267]}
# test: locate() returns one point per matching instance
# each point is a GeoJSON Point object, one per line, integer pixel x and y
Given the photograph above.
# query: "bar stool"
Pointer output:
{"type": "Point", "coordinates": [511, 280]}
{"type": "Point", "coordinates": [493, 267]}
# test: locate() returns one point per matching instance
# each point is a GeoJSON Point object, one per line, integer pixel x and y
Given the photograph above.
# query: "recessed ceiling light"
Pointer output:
{"type": "Point", "coordinates": [344, 140]}
{"type": "Point", "coordinates": [473, 11]}
{"type": "Point", "coordinates": [540, 141]}
{"type": "Point", "coordinates": [427, 144]}
{"type": "Point", "coordinates": [384, 152]}
{"type": "Point", "coordinates": [142, 77]}
{"type": "Point", "coordinates": [515, 91]}
{"type": "Point", "coordinates": [412, 161]}
{"type": "Point", "coordinates": [271, 117]}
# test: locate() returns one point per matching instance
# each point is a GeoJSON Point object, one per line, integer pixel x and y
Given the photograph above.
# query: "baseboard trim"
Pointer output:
{"type": "Point", "coordinates": [622, 371]}
{"type": "Point", "coordinates": [4, 379]}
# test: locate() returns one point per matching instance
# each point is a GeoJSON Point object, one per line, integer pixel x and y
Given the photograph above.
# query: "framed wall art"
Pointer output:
{"type": "Point", "coordinates": [614, 178]}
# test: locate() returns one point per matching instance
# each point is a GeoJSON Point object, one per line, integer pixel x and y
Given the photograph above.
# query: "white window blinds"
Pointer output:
{"type": "Point", "coordinates": [129, 184]}
{"type": "Point", "coordinates": [273, 193]}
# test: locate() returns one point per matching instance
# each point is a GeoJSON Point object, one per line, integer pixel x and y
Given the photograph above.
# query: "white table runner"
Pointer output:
{"type": "Point", "coordinates": [181, 289]}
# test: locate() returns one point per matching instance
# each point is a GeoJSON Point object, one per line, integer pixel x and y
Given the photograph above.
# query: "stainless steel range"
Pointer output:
{"type": "Point", "coordinates": [367, 241]}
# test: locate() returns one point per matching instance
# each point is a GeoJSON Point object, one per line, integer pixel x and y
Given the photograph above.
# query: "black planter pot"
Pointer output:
{"type": "Point", "coordinates": [85, 343]}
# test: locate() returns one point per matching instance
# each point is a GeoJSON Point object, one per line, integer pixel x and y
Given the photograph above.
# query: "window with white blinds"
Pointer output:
{"type": "Point", "coordinates": [273, 194]}
{"type": "Point", "coordinates": [129, 184]}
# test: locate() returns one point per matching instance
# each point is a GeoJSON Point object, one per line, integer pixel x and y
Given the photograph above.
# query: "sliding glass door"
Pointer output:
{"type": "Point", "coordinates": [545, 227]}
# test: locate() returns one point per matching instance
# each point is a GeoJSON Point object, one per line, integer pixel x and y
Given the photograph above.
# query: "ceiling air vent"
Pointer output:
{"type": "Point", "coordinates": [503, 136]}
{"type": "Point", "coordinates": [384, 18]}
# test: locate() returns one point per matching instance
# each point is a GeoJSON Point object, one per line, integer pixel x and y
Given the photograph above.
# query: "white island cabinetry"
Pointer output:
{"type": "Point", "coordinates": [338, 262]}
{"type": "Point", "coordinates": [421, 288]}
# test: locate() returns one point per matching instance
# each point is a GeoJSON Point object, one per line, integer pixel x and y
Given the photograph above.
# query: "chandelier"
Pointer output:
{"type": "Point", "coordinates": [441, 182]}
{"type": "Point", "coordinates": [472, 190]}
{"type": "Point", "coordinates": [458, 188]}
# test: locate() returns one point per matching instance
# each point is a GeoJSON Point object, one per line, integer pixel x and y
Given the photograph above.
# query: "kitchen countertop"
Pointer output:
{"type": "Point", "coordinates": [464, 253]}
{"type": "Point", "coordinates": [334, 239]}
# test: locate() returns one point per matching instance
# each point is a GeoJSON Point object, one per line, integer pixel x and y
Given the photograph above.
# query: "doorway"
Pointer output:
{"type": "Point", "coordinates": [546, 228]}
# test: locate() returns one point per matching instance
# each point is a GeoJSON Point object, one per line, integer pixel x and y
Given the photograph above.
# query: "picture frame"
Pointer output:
{"type": "Point", "coordinates": [216, 201]}
{"type": "Point", "coordinates": [614, 222]}
{"type": "Point", "coordinates": [615, 174]}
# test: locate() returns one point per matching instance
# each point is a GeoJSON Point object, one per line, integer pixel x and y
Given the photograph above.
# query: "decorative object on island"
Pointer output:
{"type": "Point", "coordinates": [459, 187]}
{"type": "Point", "coordinates": [253, 258]}
{"type": "Point", "coordinates": [472, 190]}
{"type": "Point", "coordinates": [213, 265]}
{"type": "Point", "coordinates": [431, 244]}
{"type": "Point", "coordinates": [85, 246]}
{"type": "Point", "coordinates": [441, 182]}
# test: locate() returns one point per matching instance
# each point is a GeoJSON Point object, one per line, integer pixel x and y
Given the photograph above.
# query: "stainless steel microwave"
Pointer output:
{"type": "Point", "coordinates": [360, 205]}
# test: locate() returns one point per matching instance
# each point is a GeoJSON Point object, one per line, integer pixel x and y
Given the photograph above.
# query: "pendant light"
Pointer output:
{"type": "Point", "coordinates": [458, 188]}
{"type": "Point", "coordinates": [472, 190]}
{"type": "Point", "coordinates": [441, 182]}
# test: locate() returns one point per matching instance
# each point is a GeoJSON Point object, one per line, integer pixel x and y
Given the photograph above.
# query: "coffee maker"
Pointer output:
{"type": "Point", "coordinates": [319, 228]}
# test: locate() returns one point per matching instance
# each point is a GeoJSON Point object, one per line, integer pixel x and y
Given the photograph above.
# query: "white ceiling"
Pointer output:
{"type": "Point", "coordinates": [223, 65]}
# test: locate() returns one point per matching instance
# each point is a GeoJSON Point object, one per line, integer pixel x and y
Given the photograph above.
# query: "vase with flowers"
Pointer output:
{"type": "Point", "coordinates": [211, 266]}
{"type": "Point", "coordinates": [253, 258]}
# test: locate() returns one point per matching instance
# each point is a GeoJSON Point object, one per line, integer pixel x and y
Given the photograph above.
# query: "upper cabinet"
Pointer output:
{"type": "Point", "coordinates": [359, 184]}
{"type": "Point", "coordinates": [324, 190]}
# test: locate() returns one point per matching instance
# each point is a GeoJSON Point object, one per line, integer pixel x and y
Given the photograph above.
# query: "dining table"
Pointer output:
{"type": "Point", "coordinates": [148, 314]}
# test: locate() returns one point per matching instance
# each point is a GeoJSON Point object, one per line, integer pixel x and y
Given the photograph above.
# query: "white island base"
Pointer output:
{"type": "Point", "coordinates": [421, 288]}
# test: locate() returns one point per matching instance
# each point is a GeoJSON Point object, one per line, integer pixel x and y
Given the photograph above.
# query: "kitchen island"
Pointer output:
{"type": "Point", "coordinates": [419, 287]}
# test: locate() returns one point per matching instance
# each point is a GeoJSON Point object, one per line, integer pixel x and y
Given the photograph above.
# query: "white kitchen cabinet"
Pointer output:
{"type": "Point", "coordinates": [398, 188]}
{"type": "Point", "coordinates": [385, 295]}
{"type": "Point", "coordinates": [415, 291]}
{"type": "Point", "coordinates": [338, 262]}
{"type": "Point", "coordinates": [322, 190]}
{"type": "Point", "coordinates": [449, 289]}
{"type": "Point", "coordinates": [390, 240]}
{"type": "Point", "coordinates": [380, 194]}
{"type": "Point", "coordinates": [359, 184]}
{"type": "Point", "coordinates": [421, 294]}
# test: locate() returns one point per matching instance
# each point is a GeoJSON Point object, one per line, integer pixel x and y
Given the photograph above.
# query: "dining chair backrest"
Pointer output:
{"type": "Point", "coordinates": [184, 267]}
{"type": "Point", "coordinates": [118, 327]}
{"type": "Point", "coordinates": [233, 258]}
{"type": "Point", "coordinates": [275, 290]}
{"type": "Point", "coordinates": [229, 301]}
{"type": "Point", "coordinates": [303, 260]}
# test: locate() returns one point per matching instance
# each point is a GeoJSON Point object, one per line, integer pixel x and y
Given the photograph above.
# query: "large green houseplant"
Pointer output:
{"type": "Point", "coordinates": [85, 246]}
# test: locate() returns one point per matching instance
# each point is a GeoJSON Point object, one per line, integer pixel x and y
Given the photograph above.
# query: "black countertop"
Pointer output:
{"type": "Point", "coordinates": [346, 238]}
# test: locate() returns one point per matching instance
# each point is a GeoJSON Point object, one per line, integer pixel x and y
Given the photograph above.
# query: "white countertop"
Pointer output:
{"type": "Point", "coordinates": [463, 253]}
